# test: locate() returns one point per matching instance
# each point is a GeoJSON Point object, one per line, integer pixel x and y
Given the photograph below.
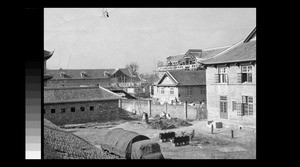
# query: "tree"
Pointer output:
{"type": "Point", "coordinates": [133, 68]}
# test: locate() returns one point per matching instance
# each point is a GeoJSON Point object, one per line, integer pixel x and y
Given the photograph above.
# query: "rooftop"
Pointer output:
{"type": "Point", "coordinates": [71, 94]}
{"type": "Point", "coordinates": [186, 77]}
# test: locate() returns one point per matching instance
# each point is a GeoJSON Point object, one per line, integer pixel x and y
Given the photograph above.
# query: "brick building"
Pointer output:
{"type": "Point", "coordinates": [181, 85]}
{"type": "Point", "coordinates": [231, 83]}
{"type": "Point", "coordinates": [73, 105]}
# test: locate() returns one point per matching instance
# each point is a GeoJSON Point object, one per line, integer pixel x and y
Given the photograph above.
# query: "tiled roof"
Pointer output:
{"type": "Point", "coordinates": [47, 54]}
{"type": "Point", "coordinates": [237, 53]}
{"type": "Point", "coordinates": [186, 77]}
{"type": "Point", "coordinates": [69, 94]}
{"type": "Point", "coordinates": [175, 58]}
{"type": "Point", "coordinates": [89, 73]}
{"type": "Point", "coordinates": [208, 53]}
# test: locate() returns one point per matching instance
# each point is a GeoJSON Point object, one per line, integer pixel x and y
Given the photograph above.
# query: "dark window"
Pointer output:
{"type": "Point", "coordinates": [247, 105]}
{"type": "Point", "coordinates": [246, 75]}
{"type": "Point", "coordinates": [52, 110]}
{"type": "Point", "coordinates": [91, 108]}
{"type": "Point", "coordinates": [63, 110]}
{"type": "Point", "coordinates": [73, 109]}
{"type": "Point", "coordinates": [189, 91]}
{"type": "Point", "coordinates": [81, 108]}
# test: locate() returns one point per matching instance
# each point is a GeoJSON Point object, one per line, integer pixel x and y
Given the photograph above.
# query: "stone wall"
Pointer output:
{"type": "Point", "coordinates": [104, 110]}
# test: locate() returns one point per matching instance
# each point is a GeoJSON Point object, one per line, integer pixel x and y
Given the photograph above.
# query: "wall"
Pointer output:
{"type": "Point", "coordinates": [176, 111]}
{"type": "Point", "coordinates": [196, 96]}
{"type": "Point", "coordinates": [234, 91]}
{"type": "Point", "coordinates": [105, 110]}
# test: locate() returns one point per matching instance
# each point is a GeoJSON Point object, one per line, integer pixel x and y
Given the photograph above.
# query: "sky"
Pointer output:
{"type": "Point", "coordinates": [82, 38]}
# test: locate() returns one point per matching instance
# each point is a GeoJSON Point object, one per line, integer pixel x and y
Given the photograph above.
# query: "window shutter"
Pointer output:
{"type": "Point", "coordinates": [239, 109]}
{"type": "Point", "coordinates": [239, 77]}
{"type": "Point", "coordinates": [226, 78]}
{"type": "Point", "coordinates": [245, 108]}
{"type": "Point", "coordinates": [250, 109]}
{"type": "Point", "coordinates": [217, 78]}
{"type": "Point", "coordinates": [249, 77]}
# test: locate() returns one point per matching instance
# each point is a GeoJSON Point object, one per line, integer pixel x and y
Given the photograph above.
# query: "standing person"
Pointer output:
{"type": "Point", "coordinates": [202, 109]}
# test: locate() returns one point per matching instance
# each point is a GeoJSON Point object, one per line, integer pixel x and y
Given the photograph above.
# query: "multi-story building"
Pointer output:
{"type": "Point", "coordinates": [231, 84]}
{"type": "Point", "coordinates": [191, 60]}
{"type": "Point", "coordinates": [181, 86]}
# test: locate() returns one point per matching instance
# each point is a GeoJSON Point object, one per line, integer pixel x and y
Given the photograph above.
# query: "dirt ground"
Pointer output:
{"type": "Point", "coordinates": [204, 145]}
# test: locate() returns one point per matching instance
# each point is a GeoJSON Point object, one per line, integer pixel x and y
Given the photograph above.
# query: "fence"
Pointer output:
{"type": "Point", "coordinates": [183, 111]}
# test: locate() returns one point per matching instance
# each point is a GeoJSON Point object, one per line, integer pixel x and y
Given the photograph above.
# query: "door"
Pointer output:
{"type": "Point", "coordinates": [223, 107]}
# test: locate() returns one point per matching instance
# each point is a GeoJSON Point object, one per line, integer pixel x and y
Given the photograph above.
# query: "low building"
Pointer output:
{"type": "Point", "coordinates": [231, 84]}
{"type": "Point", "coordinates": [108, 78]}
{"type": "Point", "coordinates": [181, 85]}
{"type": "Point", "coordinates": [74, 105]}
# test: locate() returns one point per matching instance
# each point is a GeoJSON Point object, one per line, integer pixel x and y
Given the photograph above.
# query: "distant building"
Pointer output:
{"type": "Point", "coordinates": [181, 85]}
{"type": "Point", "coordinates": [74, 105]}
{"type": "Point", "coordinates": [191, 60]}
{"type": "Point", "coordinates": [108, 78]}
{"type": "Point", "coordinates": [231, 83]}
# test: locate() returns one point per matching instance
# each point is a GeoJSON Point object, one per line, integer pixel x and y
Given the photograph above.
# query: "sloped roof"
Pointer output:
{"type": "Point", "coordinates": [187, 77]}
{"type": "Point", "coordinates": [90, 73]}
{"type": "Point", "coordinates": [208, 53]}
{"type": "Point", "coordinates": [176, 58]}
{"type": "Point", "coordinates": [199, 54]}
{"type": "Point", "coordinates": [238, 53]}
{"type": "Point", "coordinates": [71, 94]}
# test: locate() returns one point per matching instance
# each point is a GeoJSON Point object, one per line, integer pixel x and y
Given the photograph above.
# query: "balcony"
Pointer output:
{"type": "Point", "coordinates": [178, 67]}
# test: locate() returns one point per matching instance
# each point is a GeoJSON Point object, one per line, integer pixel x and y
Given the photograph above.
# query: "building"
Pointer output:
{"type": "Point", "coordinates": [191, 60]}
{"type": "Point", "coordinates": [74, 105]}
{"type": "Point", "coordinates": [181, 85]}
{"type": "Point", "coordinates": [231, 83]}
{"type": "Point", "coordinates": [108, 78]}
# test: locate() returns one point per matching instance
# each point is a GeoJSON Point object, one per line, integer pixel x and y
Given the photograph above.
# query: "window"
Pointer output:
{"type": "Point", "coordinates": [73, 109]}
{"type": "Point", "coordinates": [162, 90]}
{"type": "Point", "coordinates": [189, 91]}
{"type": "Point", "coordinates": [233, 105]}
{"type": "Point", "coordinates": [63, 110]}
{"type": "Point", "coordinates": [91, 108]}
{"type": "Point", "coordinates": [81, 108]}
{"type": "Point", "coordinates": [172, 91]}
{"type": "Point", "coordinates": [52, 111]}
{"type": "Point", "coordinates": [223, 107]}
{"type": "Point", "coordinates": [44, 111]}
{"type": "Point", "coordinates": [247, 105]}
{"type": "Point", "coordinates": [245, 75]}
{"type": "Point", "coordinates": [222, 76]}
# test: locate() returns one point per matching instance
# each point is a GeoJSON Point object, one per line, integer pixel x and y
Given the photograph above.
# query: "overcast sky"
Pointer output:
{"type": "Point", "coordinates": [83, 39]}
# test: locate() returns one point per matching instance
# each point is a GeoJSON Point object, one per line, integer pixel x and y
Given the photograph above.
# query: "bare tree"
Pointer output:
{"type": "Point", "coordinates": [133, 67]}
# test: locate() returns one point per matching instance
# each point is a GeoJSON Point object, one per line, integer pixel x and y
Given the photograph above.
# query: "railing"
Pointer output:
{"type": "Point", "coordinates": [178, 67]}
{"type": "Point", "coordinates": [127, 84]}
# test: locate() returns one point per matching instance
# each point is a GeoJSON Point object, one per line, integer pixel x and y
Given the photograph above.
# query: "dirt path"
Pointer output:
{"type": "Point", "coordinates": [205, 145]}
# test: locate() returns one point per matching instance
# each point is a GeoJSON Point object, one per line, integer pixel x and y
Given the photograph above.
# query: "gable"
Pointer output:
{"type": "Point", "coordinates": [166, 80]}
